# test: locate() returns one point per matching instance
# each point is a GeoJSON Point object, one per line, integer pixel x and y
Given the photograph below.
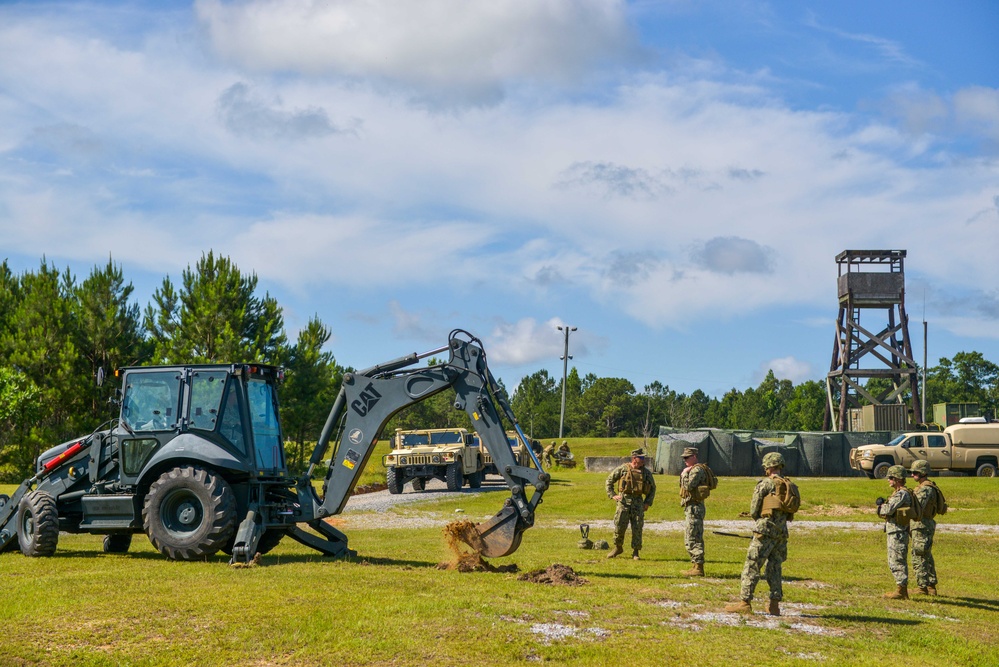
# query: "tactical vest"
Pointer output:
{"type": "Point", "coordinates": [704, 490]}
{"type": "Point", "coordinates": [910, 512]}
{"type": "Point", "coordinates": [936, 504]}
{"type": "Point", "coordinates": [784, 498]}
{"type": "Point", "coordinates": [633, 483]}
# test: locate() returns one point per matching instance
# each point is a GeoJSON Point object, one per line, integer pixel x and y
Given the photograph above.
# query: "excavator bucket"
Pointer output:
{"type": "Point", "coordinates": [500, 536]}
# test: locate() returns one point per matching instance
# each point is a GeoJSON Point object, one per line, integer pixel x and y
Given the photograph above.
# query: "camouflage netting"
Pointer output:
{"type": "Point", "coordinates": [740, 453]}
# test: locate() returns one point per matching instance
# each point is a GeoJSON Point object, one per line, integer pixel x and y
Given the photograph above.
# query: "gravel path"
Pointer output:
{"type": "Point", "coordinates": [380, 502]}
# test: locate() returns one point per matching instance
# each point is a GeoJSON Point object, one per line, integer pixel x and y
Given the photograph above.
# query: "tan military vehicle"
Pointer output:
{"type": "Point", "coordinates": [966, 447]}
{"type": "Point", "coordinates": [451, 455]}
{"type": "Point", "coordinates": [519, 452]}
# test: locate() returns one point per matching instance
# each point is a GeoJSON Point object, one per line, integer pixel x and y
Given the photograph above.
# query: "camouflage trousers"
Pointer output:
{"type": "Point", "coordinates": [923, 567]}
{"type": "Point", "coordinates": [898, 547]}
{"type": "Point", "coordinates": [630, 511]}
{"type": "Point", "coordinates": [771, 550]}
{"type": "Point", "coordinates": [693, 531]}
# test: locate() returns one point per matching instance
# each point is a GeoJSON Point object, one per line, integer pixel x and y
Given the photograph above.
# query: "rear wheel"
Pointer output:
{"type": "Point", "coordinates": [475, 479]}
{"type": "Point", "coordinates": [453, 476]}
{"type": "Point", "coordinates": [987, 470]}
{"type": "Point", "coordinates": [881, 470]}
{"type": "Point", "coordinates": [37, 524]}
{"type": "Point", "coordinates": [117, 543]}
{"type": "Point", "coordinates": [189, 513]}
{"type": "Point", "coordinates": [419, 484]}
{"type": "Point", "coordinates": [393, 479]}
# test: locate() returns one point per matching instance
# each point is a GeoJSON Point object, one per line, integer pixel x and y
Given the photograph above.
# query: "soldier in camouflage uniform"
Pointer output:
{"type": "Point", "coordinates": [634, 489]}
{"type": "Point", "coordinates": [549, 451]}
{"type": "Point", "coordinates": [897, 530]}
{"type": "Point", "coordinates": [769, 543]}
{"type": "Point", "coordinates": [921, 532]}
{"type": "Point", "coordinates": [692, 477]}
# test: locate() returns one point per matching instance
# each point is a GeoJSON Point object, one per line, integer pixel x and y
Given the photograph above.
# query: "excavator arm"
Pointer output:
{"type": "Point", "coordinates": [366, 402]}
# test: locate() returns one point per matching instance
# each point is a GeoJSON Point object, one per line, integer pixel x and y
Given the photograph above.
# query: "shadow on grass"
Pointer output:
{"type": "Point", "coordinates": [281, 559]}
{"type": "Point", "coordinates": [970, 603]}
{"type": "Point", "coordinates": [858, 618]}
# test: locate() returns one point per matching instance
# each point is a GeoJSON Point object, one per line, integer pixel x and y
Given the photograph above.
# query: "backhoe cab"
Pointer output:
{"type": "Point", "coordinates": [195, 460]}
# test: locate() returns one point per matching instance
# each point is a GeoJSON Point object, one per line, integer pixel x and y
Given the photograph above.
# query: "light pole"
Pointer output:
{"type": "Point", "coordinates": [565, 369]}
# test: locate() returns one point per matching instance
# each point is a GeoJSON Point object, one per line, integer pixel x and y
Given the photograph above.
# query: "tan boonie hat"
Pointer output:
{"type": "Point", "coordinates": [638, 453]}
{"type": "Point", "coordinates": [689, 451]}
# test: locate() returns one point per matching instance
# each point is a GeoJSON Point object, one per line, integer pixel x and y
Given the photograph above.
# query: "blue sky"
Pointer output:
{"type": "Point", "coordinates": [673, 178]}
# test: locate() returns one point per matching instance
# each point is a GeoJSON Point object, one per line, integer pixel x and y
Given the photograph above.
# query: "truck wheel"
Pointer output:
{"type": "Point", "coordinates": [189, 513]}
{"type": "Point", "coordinates": [37, 524]}
{"type": "Point", "coordinates": [987, 470]}
{"type": "Point", "coordinates": [475, 479]}
{"type": "Point", "coordinates": [453, 476]}
{"type": "Point", "coordinates": [419, 484]}
{"type": "Point", "coordinates": [393, 480]}
{"type": "Point", "coordinates": [117, 543]}
{"type": "Point", "coordinates": [881, 470]}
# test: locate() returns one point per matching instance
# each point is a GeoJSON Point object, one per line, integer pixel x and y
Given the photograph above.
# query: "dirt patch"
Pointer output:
{"type": "Point", "coordinates": [369, 488]}
{"type": "Point", "coordinates": [464, 533]}
{"type": "Point", "coordinates": [557, 574]}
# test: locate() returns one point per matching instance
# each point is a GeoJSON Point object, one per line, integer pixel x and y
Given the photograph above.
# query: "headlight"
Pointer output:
{"type": "Point", "coordinates": [437, 458]}
{"type": "Point", "coordinates": [869, 454]}
{"type": "Point", "coordinates": [402, 460]}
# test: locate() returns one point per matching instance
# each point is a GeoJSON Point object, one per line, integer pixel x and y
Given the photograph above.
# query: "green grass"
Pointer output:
{"type": "Point", "coordinates": [391, 606]}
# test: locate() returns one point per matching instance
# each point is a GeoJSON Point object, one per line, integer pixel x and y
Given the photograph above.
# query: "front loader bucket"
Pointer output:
{"type": "Point", "coordinates": [500, 536]}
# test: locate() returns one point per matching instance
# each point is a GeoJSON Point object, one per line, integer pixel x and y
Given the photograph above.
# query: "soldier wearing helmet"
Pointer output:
{"type": "Point", "coordinates": [633, 488]}
{"type": "Point", "coordinates": [921, 532]}
{"type": "Point", "coordinates": [769, 544]}
{"type": "Point", "coordinates": [894, 511]}
{"type": "Point", "coordinates": [693, 478]}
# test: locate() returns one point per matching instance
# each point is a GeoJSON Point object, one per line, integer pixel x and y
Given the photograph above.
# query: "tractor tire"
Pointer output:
{"type": "Point", "coordinates": [419, 484]}
{"type": "Point", "coordinates": [117, 543]}
{"type": "Point", "coordinates": [393, 480]}
{"type": "Point", "coordinates": [986, 470]}
{"type": "Point", "coordinates": [881, 470]}
{"type": "Point", "coordinates": [453, 476]}
{"type": "Point", "coordinates": [189, 513]}
{"type": "Point", "coordinates": [269, 540]}
{"type": "Point", "coordinates": [37, 524]}
{"type": "Point", "coordinates": [475, 479]}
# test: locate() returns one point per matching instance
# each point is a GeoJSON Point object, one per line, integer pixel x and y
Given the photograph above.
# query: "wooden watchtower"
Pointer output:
{"type": "Point", "coordinates": [870, 281]}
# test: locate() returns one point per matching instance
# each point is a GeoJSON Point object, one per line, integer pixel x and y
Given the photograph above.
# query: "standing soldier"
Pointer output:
{"type": "Point", "coordinates": [771, 508]}
{"type": "Point", "coordinates": [931, 502]}
{"type": "Point", "coordinates": [695, 483]}
{"type": "Point", "coordinates": [895, 512]}
{"type": "Point", "coordinates": [634, 489]}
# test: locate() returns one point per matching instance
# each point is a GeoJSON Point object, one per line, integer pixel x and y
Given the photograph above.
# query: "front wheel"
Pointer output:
{"type": "Point", "coordinates": [393, 480]}
{"type": "Point", "coordinates": [189, 513]}
{"type": "Point", "coordinates": [475, 479]}
{"type": "Point", "coordinates": [419, 484]}
{"type": "Point", "coordinates": [881, 470]}
{"type": "Point", "coordinates": [37, 524]}
{"type": "Point", "coordinates": [117, 543]}
{"type": "Point", "coordinates": [986, 470]}
{"type": "Point", "coordinates": [453, 476]}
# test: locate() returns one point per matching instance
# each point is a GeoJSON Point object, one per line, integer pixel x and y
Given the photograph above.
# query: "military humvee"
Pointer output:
{"type": "Point", "coordinates": [452, 455]}
{"type": "Point", "coordinates": [519, 452]}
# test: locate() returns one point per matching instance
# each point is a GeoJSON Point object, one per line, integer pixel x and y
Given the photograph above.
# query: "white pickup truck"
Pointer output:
{"type": "Point", "coordinates": [970, 448]}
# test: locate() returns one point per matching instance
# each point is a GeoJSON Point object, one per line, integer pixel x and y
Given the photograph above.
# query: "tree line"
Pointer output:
{"type": "Point", "coordinates": [57, 334]}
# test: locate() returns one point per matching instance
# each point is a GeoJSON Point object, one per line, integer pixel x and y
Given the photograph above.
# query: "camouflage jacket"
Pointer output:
{"type": "Point", "coordinates": [622, 470]}
{"type": "Point", "coordinates": [773, 526]}
{"type": "Point", "coordinates": [901, 498]}
{"type": "Point", "coordinates": [690, 479]}
{"type": "Point", "coordinates": [926, 495]}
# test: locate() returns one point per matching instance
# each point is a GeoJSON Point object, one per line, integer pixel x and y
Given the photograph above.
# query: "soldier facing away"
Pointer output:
{"type": "Point", "coordinates": [634, 489]}
{"type": "Point", "coordinates": [931, 502]}
{"type": "Point", "coordinates": [769, 539]}
{"type": "Point", "coordinates": [549, 451]}
{"type": "Point", "coordinates": [893, 511]}
{"type": "Point", "coordinates": [694, 485]}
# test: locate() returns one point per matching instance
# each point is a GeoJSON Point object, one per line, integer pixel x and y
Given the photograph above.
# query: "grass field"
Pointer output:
{"type": "Point", "coordinates": [392, 606]}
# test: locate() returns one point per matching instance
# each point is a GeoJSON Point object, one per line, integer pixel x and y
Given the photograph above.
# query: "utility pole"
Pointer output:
{"type": "Point", "coordinates": [565, 370]}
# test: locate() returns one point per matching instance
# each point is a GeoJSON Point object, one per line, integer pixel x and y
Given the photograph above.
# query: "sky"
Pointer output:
{"type": "Point", "coordinates": [673, 178]}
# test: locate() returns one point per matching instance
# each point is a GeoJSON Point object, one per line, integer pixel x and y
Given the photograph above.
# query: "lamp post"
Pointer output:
{"type": "Point", "coordinates": [565, 369]}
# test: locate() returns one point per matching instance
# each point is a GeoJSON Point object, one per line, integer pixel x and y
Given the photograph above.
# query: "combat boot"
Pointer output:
{"type": "Point", "coordinates": [634, 555]}
{"type": "Point", "coordinates": [931, 590]}
{"type": "Point", "coordinates": [616, 551]}
{"type": "Point", "coordinates": [696, 570]}
{"type": "Point", "coordinates": [901, 593]}
{"type": "Point", "coordinates": [922, 590]}
{"type": "Point", "coordinates": [740, 607]}
{"type": "Point", "coordinates": [774, 607]}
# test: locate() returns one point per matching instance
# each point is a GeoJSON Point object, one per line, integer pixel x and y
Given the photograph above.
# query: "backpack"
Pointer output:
{"type": "Point", "coordinates": [785, 498]}
{"type": "Point", "coordinates": [710, 483]}
{"type": "Point", "coordinates": [941, 501]}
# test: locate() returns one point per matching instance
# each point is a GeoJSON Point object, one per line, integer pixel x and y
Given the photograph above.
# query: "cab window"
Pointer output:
{"type": "Point", "coordinates": [206, 395]}
{"type": "Point", "coordinates": [231, 419]}
{"type": "Point", "coordinates": [151, 401]}
{"type": "Point", "coordinates": [937, 441]}
{"type": "Point", "coordinates": [264, 422]}
{"type": "Point", "coordinates": [446, 438]}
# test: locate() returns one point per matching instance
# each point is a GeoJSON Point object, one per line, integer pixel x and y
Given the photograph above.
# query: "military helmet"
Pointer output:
{"type": "Point", "coordinates": [896, 472]}
{"type": "Point", "coordinates": [639, 453]}
{"type": "Point", "coordinates": [773, 460]}
{"type": "Point", "coordinates": [601, 544]}
{"type": "Point", "coordinates": [920, 468]}
{"type": "Point", "coordinates": [688, 452]}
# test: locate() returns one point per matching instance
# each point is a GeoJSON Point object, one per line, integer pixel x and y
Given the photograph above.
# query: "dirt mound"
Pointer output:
{"type": "Point", "coordinates": [369, 488]}
{"type": "Point", "coordinates": [562, 575]}
{"type": "Point", "coordinates": [458, 533]}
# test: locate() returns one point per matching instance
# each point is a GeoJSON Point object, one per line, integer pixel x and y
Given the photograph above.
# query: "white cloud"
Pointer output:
{"type": "Point", "coordinates": [786, 368]}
